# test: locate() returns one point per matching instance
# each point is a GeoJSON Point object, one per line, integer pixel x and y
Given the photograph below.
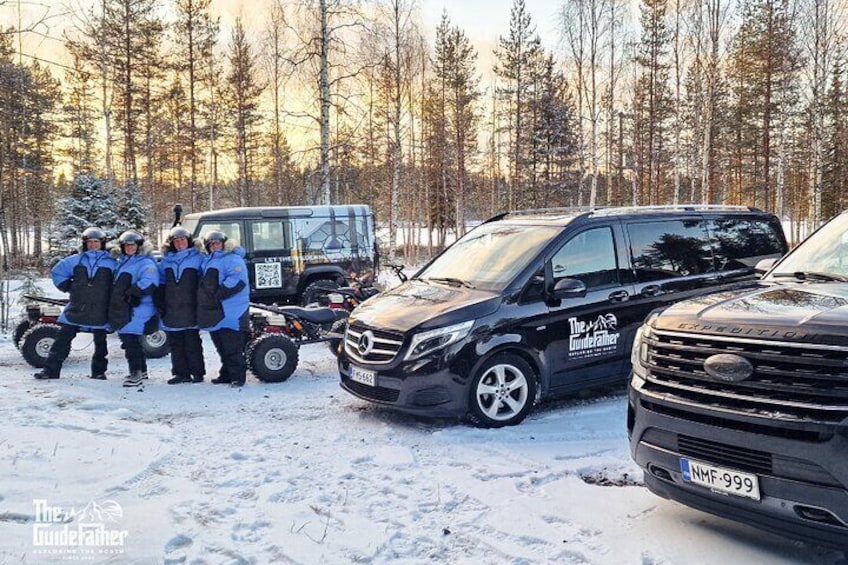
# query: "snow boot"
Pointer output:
{"type": "Point", "coordinates": [177, 379]}
{"type": "Point", "coordinates": [134, 379]}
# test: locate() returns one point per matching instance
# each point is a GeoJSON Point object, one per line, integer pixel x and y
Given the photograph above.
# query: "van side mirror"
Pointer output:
{"type": "Point", "coordinates": [763, 266]}
{"type": "Point", "coordinates": [568, 288]}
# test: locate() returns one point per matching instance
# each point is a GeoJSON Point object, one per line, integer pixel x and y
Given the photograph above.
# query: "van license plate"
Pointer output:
{"type": "Point", "coordinates": [363, 376]}
{"type": "Point", "coordinates": [720, 479]}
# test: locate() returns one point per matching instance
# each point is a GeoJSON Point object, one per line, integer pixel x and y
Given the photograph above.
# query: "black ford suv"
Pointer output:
{"type": "Point", "coordinates": [738, 403]}
{"type": "Point", "coordinates": [531, 305]}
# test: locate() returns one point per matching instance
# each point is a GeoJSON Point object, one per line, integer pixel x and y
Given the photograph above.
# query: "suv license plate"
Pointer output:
{"type": "Point", "coordinates": [720, 479]}
{"type": "Point", "coordinates": [363, 376]}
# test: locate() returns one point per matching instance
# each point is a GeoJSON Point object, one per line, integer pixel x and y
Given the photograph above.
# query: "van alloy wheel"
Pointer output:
{"type": "Point", "coordinates": [502, 392]}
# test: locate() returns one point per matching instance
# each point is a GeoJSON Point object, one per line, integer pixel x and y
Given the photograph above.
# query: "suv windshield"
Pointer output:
{"type": "Point", "coordinates": [823, 256]}
{"type": "Point", "coordinates": [490, 256]}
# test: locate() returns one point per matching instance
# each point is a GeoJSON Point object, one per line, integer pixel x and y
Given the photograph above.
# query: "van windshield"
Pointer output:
{"type": "Point", "coordinates": [822, 256]}
{"type": "Point", "coordinates": [490, 256]}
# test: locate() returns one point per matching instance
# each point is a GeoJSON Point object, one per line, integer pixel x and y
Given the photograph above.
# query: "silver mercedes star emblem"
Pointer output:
{"type": "Point", "coordinates": [366, 342]}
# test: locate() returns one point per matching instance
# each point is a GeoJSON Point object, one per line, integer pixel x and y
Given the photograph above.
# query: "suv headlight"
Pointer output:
{"type": "Point", "coordinates": [433, 340]}
{"type": "Point", "coordinates": [639, 356]}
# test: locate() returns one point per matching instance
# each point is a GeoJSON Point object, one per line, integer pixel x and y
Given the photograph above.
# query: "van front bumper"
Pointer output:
{"type": "Point", "coordinates": [429, 390]}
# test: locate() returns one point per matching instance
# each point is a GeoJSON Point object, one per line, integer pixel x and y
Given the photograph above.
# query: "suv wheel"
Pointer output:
{"type": "Point", "coordinates": [502, 392]}
{"type": "Point", "coordinates": [316, 292]}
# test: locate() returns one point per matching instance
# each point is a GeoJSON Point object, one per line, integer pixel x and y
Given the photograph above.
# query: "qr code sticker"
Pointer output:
{"type": "Point", "coordinates": [269, 275]}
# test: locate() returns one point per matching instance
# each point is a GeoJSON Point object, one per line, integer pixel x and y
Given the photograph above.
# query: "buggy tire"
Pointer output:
{"type": "Point", "coordinates": [19, 331]}
{"type": "Point", "coordinates": [272, 358]}
{"type": "Point", "coordinates": [155, 345]}
{"type": "Point", "coordinates": [502, 392]}
{"type": "Point", "coordinates": [316, 292]}
{"type": "Point", "coordinates": [36, 343]}
{"type": "Point", "coordinates": [333, 344]}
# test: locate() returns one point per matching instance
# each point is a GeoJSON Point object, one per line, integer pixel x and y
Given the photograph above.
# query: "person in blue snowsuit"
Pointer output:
{"type": "Point", "coordinates": [87, 276]}
{"type": "Point", "coordinates": [223, 301]}
{"type": "Point", "coordinates": [179, 275]}
{"type": "Point", "coordinates": [131, 310]}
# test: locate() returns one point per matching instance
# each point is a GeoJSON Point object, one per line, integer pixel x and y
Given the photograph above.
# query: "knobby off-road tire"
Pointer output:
{"type": "Point", "coordinates": [272, 358]}
{"type": "Point", "coordinates": [36, 343]}
{"type": "Point", "coordinates": [338, 327]}
{"type": "Point", "coordinates": [19, 331]}
{"type": "Point", "coordinates": [155, 345]}
{"type": "Point", "coordinates": [316, 292]}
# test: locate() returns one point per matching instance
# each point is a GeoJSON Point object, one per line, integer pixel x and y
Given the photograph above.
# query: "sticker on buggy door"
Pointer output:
{"type": "Point", "coordinates": [593, 338]}
{"type": "Point", "coordinates": [268, 275]}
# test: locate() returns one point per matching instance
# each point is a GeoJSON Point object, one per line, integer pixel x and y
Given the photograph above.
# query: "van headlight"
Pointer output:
{"type": "Point", "coordinates": [433, 340]}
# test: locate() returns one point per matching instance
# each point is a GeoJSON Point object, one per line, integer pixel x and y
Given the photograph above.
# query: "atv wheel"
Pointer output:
{"type": "Point", "coordinates": [155, 345]}
{"type": "Point", "coordinates": [36, 343]}
{"type": "Point", "coordinates": [338, 327]}
{"type": "Point", "coordinates": [272, 358]}
{"type": "Point", "coordinates": [22, 328]}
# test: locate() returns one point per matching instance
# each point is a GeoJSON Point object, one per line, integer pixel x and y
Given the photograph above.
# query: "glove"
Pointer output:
{"type": "Point", "coordinates": [222, 292]}
{"type": "Point", "coordinates": [65, 286]}
{"type": "Point", "coordinates": [135, 291]}
{"type": "Point", "coordinates": [131, 299]}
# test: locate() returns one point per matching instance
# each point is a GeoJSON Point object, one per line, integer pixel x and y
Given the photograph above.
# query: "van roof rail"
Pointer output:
{"type": "Point", "coordinates": [674, 207]}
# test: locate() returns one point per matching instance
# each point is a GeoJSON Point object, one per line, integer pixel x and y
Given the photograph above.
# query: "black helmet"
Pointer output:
{"type": "Point", "coordinates": [214, 235]}
{"type": "Point", "coordinates": [178, 231]}
{"type": "Point", "coordinates": [94, 233]}
{"type": "Point", "coordinates": [130, 236]}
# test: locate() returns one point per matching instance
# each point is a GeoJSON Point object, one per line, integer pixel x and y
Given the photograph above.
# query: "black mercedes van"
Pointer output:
{"type": "Point", "coordinates": [738, 402]}
{"type": "Point", "coordinates": [287, 249]}
{"type": "Point", "coordinates": [531, 305]}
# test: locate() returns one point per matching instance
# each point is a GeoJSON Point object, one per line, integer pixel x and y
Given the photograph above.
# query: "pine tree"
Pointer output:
{"type": "Point", "coordinates": [88, 204]}
{"type": "Point", "coordinates": [132, 212]}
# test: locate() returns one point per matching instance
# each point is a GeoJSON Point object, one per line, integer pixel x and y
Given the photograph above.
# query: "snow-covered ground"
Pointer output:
{"type": "Point", "coordinates": [302, 472]}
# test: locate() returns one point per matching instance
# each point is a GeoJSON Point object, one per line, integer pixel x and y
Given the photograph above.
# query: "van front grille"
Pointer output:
{"type": "Point", "coordinates": [804, 383]}
{"type": "Point", "coordinates": [384, 346]}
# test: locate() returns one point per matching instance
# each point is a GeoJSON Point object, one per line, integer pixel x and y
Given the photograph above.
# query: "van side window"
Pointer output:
{"type": "Point", "coordinates": [271, 235]}
{"type": "Point", "coordinates": [739, 242]}
{"type": "Point", "coordinates": [668, 249]}
{"type": "Point", "coordinates": [323, 235]}
{"type": "Point", "coordinates": [590, 257]}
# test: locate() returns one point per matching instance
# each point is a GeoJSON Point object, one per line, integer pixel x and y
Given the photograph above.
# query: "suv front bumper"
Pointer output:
{"type": "Point", "coordinates": [805, 496]}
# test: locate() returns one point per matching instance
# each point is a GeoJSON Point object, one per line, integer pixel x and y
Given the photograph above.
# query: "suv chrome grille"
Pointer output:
{"type": "Point", "coordinates": [791, 381]}
{"type": "Point", "coordinates": [385, 345]}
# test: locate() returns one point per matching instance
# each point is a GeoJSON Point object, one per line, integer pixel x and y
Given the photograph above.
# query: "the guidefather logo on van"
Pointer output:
{"type": "Point", "coordinates": [593, 338]}
{"type": "Point", "coordinates": [78, 534]}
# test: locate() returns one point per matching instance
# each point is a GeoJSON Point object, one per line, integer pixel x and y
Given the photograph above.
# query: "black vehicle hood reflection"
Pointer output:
{"type": "Point", "coordinates": [783, 311]}
{"type": "Point", "coordinates": [426, 304]}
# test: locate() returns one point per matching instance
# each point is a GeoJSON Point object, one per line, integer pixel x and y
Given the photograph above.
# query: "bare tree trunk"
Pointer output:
{"type": "Point", "coordinates": [325, 108]}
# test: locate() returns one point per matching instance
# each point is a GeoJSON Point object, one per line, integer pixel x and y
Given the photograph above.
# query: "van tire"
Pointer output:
{"type": "Point", "coordinates": [37, 342]}
{"type": "Point", "coordinates": [502, 392]}
{"type": "Point", "coordinates": [272, 358]}
{"type": "Point", "coordinates": [315, 292]}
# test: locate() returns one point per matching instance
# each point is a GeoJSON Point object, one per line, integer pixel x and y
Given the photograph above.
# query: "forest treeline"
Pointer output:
{"type": "Point", "coordinates": [346, 101]}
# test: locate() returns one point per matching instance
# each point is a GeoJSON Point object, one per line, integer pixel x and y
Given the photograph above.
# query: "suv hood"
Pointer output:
{"type": "Point", "coordinates": [801, 311]}
{"type": "Point", "coordinates": [425, 305]}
